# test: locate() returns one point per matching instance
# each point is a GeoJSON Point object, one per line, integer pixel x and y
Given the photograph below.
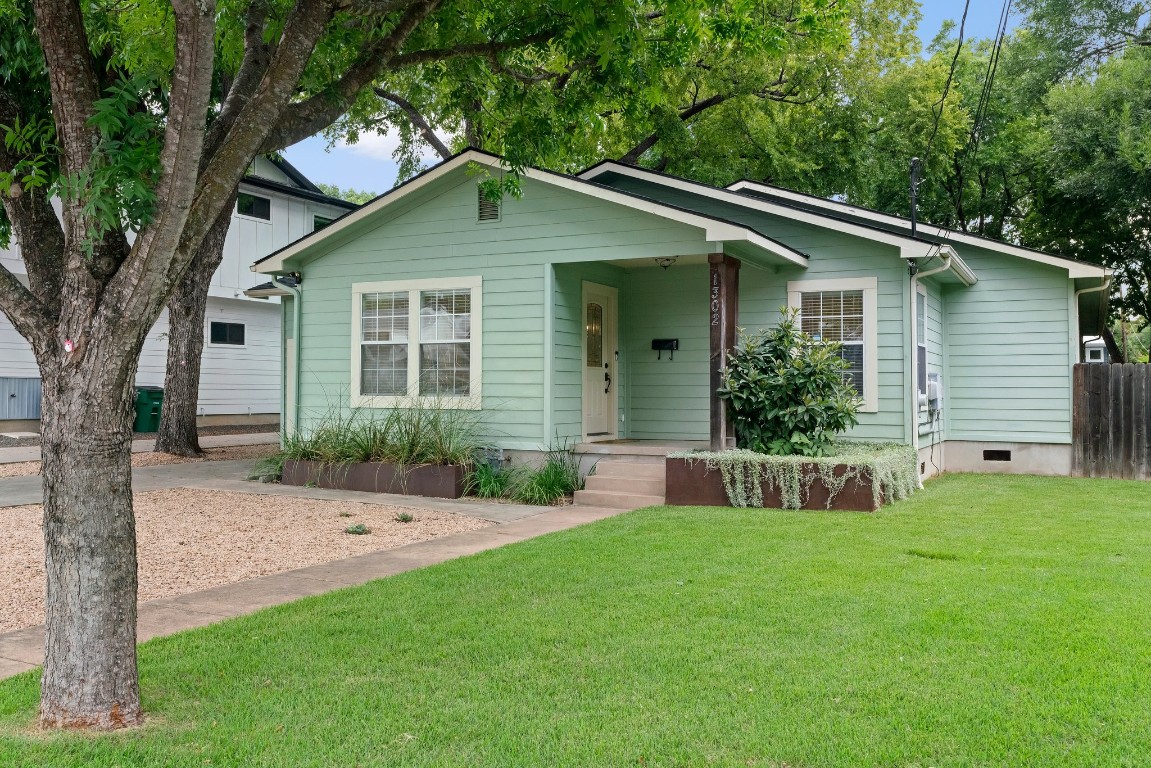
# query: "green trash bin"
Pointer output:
{"type": "Point", "coordinates": [148, 402]}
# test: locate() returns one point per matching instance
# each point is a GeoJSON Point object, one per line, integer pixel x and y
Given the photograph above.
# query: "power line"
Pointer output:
{"type": "Point", "coordinates": [947, 85]}
{"type": "Point", "coordinates": [980, 118]}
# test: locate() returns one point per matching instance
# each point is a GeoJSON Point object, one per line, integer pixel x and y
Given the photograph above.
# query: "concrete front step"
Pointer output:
{"type": "Point", "coordinates": [634, 485]}
{"type": "Point", "coordinates": [631, 469]}
{"type": "Point", "coordinates": [616, 500]}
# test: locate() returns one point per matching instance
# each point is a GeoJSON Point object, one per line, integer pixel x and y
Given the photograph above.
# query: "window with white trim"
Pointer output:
{"type": "Point", "coordinates": [417, 339]}
{"type": "Point", "coordinates": [921, 340]}
{"type": "Point", "coordinates": [844, 311]}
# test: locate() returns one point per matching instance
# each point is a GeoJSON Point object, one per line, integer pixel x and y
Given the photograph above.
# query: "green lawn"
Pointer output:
{"type": "Point", "coordinates": [987, 621]}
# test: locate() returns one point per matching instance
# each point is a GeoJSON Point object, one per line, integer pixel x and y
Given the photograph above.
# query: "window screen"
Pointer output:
{"type": "Point", "coordinates": [384, 343]}
{"type": "Point", "coordinates": [921, 341]}
{"type": "Point", "coordinates": [226, 333]}
{"type": "Point", "coordinates": [445, 342]}
{"type": "Point", "coordinates": [837, 316]}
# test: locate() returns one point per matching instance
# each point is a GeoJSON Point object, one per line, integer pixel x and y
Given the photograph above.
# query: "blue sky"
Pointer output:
{"type": "Point", "coordinates": [368, 164]}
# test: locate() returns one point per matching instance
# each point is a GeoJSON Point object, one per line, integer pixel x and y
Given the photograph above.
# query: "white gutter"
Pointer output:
{"type": "Point", "coordinates": [297, 298]}
{"type": "Point", "coordinates": [1078, 336]}
{"type": "Point", "coordinates": [913, 415]}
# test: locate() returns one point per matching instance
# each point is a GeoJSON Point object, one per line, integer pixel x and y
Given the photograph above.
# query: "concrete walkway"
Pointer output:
{"type": "Point", "coordinates": [32, 453]}
{"type": "Point", "coordinates": [23, 649]}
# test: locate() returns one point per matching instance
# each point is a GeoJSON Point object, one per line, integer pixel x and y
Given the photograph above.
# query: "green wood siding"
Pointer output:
{"type": "Point", "coordinates": [1008, 345]}
{"type": "Point", "coordinates": [668, 399]}
{"type": "Point", "coordinates": [439, 236]}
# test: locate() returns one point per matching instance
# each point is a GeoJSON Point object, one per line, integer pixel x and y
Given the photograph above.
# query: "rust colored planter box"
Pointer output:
{"type": "Point", "coordinates": [691, 483]}
{"type": "Point", "coordinates": [439, 481]}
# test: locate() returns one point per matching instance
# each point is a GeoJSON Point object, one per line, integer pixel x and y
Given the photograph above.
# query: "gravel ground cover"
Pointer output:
{"type": "Point", "coordinates": [231, 429]}
{"type": "Point", "coordinates": [190, 540]}
{"type": "Point", "coordinates": [229, 453]}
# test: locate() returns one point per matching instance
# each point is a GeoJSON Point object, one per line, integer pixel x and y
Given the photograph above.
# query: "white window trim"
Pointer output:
{"type": "Point", "coordinates": [870, 288]}
{"type": "Point", "coordinates": [208, 334]}
{"type": "Point", "coordinates": [473, 401]}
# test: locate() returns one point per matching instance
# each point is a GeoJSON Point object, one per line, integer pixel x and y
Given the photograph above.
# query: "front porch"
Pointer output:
{"type": "Point", "coordinates": [638, 346]}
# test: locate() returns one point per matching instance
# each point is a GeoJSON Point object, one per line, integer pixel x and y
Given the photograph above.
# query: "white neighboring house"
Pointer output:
{"type": "Point", "coordinates": [240, 370]}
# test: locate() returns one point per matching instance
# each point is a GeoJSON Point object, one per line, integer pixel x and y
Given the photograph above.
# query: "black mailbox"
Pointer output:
{"type": "Point", "coordinates": [665, 345]}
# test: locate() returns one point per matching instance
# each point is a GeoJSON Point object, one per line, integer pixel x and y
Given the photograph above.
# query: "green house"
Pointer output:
{"type": "Point", "coordinates": [596, 310]}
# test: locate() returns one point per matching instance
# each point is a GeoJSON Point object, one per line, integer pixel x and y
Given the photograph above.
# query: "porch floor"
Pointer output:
{"type": "Point", "coordinates": [626, 447]}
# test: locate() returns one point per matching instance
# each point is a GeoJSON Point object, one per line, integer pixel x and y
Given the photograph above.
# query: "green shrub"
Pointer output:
{"type": "Point", "coordinates": [404, 517]}
{"type": "Point", "coordinates": [786, 391]}
{"type": "Point", "coordinates": [359, 529]}
{"type": "Point", "coordinates": [489, 481]}
{"type": "Point", "coordinates": [553, 480]}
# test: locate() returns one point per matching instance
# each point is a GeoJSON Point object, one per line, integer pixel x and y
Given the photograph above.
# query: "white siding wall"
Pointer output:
{"type": "Point", "coordinates": [233, 380]}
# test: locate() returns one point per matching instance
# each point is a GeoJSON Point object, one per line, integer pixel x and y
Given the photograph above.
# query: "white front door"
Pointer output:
{"type": "Point", "coordinates": [599, 361]}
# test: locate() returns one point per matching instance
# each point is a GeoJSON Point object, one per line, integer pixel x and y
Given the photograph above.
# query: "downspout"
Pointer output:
{"type": "Point", "coordinates": [1078, 337]}
{"type": "Point", "coordinates": [913, 415]}
{"type": "Point", "coordinates": [297, 297]}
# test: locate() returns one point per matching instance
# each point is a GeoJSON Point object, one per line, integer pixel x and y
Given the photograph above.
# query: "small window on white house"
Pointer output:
{"type": "Point", "coordinates": [417, 338]}
{"type": "Point", "coordinates": [255, 206]}
{"type": "Point", "coordinates": [1095, 355]}
{"type": "Point", "coordinates": [226, 333]}
{"type": "Point", "coordinates": [319, 222]}
{"type": "Point", "coordinates": [486, 208]}
{"type": "Point", "coordinates": [844, 311]}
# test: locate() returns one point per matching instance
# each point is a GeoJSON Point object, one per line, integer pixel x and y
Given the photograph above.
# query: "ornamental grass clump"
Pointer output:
{"type": "Point", "coordinates": [787, 393]}
{"type": "Point", "coordinates": [415, 434]}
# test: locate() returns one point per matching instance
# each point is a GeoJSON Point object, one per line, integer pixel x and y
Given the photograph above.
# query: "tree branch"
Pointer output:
{"type": "Point", "coordinates": [75, 89]}
{"type": "Point", "coordinates": [633, 156]}
{"type": "Point", "coordinates": [30, 318]}
{"type": "Point", "coordinates": [138, 288]}
{"type": "Point", "coordinates": [490, 50]}
{"type": "Point", "coordinates": [257, 57]}
{"type": "Point", "coordinates": [417, 120]}
{"type": "Point", "coordinates": [35, 224]}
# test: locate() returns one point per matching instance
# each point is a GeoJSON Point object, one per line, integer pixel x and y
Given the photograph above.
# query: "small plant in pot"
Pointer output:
{"type": "Point", "coordinates": [787, 392]}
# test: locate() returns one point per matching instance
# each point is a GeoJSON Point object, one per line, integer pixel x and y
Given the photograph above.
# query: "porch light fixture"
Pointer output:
{"type": "Point", "coordinates": [665, 261]}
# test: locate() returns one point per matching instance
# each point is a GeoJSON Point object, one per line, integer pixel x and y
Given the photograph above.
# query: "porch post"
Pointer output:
{"type": "Point", "coordinates": [724, 315]}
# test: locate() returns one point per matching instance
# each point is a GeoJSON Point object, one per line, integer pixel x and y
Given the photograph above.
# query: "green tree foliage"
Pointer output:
{"type": "Point", "coordinates": [1093, 200]}
{"type": "Point", "coordinates": [786, 391]}
{"type": "Point", "coordinates": [357, 196]}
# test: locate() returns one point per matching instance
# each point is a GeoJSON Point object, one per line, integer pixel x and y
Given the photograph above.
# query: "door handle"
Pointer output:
{"type": "Point", "coordinates": [607, 380]}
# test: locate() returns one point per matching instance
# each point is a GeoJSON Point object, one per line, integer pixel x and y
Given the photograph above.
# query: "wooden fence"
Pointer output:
{"type": "Point", "coordinates": [1111, 421]}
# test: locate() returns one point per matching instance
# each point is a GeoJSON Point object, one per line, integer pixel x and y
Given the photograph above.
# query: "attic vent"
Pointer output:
{"type": "Point", "coordinates": [488, 209]}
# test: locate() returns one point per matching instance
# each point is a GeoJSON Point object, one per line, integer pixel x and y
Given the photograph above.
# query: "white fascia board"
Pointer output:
{"type": "Point", "coordinates": [713, 229]}
{"type": "Point", "coordinates": [766, 206]}
{"type": "Point", "coordinates": [274, 263]}
{"type": "Point", "coordinates": [1074, 268]}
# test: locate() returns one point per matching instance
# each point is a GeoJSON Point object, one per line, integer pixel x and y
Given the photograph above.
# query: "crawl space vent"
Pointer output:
{"type": "Point", "coordinates": [997, 455]}
{"type": "Point", "coordinates": [489, 210]}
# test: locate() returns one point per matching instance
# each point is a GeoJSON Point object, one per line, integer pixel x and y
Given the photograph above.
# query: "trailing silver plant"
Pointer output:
{"type": "Point", "coordinates": [890, 468]}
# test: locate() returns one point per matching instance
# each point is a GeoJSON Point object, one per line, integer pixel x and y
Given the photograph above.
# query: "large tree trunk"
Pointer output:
{"type": "Point", "coordinates": [89, 676]}
{"type": "Point", "coordinates": [178, 433]}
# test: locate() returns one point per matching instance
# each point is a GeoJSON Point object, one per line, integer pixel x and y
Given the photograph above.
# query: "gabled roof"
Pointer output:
{"type": "Point", "coordinates": [301, 186]}
{"type": "Point", "coordinates": [845, 212]}
{"type": "Point", "coordinates": [870, 225]}
{"type": "Point", "coordinates": [715, 229]}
